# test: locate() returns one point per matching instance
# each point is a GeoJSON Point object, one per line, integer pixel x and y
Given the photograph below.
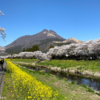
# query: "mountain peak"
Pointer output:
{"type": "Point", "coordinates": [42, 38]}
{"type": "Point", "coordinates": [51, 31]}
{"type": "Point", "coordinates": [45, 31]}
{"type": "Point", "coordinates": [73, 39]}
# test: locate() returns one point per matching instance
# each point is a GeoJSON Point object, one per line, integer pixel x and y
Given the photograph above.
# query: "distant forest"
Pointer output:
{"type": "Point", "coordinates": [34, 48]}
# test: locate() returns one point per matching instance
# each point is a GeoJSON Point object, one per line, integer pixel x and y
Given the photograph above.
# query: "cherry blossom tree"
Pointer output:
{"type": "Point", "coordinates": [88, 48]}
{"type": "Point", "coordinates": [3, 34]}
{"type": "Point", "coordinates": [2, 30]}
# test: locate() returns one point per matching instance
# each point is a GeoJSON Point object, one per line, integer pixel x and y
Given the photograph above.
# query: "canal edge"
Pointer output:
{"type": "Point", "coordinates": [85, 74]}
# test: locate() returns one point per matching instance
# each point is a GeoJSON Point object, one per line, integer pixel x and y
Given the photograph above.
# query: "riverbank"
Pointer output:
{"type": "Point", "coordinates": [70, 90]}
{"type": "Point", "coordinates": [26, 87]}
{"type": "Point", "coordinates": [86, 69]}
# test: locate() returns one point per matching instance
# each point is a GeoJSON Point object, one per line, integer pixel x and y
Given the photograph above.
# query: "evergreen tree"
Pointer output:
{"type": "Point", "coordinates": [51, 46]}
{"type": "Point", "coordinates": [35, 48]}
{"type": "Point", "coordinates": [23, 49]}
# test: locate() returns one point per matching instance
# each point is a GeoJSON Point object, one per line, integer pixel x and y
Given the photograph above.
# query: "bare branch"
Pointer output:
{"type": "Point", "coordinates": [2, 33]}
{"type": "Point", "coordinates": [1, 13]}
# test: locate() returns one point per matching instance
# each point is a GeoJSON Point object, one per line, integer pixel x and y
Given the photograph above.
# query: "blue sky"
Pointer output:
{"type": "Point", "coordinates": [79, 19]}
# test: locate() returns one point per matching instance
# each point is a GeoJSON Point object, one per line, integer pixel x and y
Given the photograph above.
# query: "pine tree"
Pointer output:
{"type": "Point", "coordinates": [23, 49]}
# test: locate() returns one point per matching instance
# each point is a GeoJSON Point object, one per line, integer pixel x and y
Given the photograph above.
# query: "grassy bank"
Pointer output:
{"type": "Point", "coordinates": [89, 67]}
{"type": "Point", "coordinates": [8, 89]}
{"type": "Point", "coordinates": [69, 90]}
{"type": "Point", "coordinates": [93, 65]}
{"type": "Point", "coordinates": [81, 64]}
{"type": "Point", "coordinates": [26, 87]}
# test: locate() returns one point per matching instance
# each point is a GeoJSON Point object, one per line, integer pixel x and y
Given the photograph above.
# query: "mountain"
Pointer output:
{"type": "Point", "coordinates": [43, 39]}
{"type": "Point", "coordinates": [3, 53]}
{"type": "Point", "coordinates": [70, 40]}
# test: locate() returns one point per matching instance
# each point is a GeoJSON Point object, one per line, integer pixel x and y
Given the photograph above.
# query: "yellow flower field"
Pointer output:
{"type": "Point", "coordinates": [28, 86]}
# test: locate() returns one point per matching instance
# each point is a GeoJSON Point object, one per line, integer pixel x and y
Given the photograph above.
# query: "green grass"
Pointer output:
{"type": "Point", "coordinates": [11, 94]}
{"type": "Point", "coordinates": [67, 90]}
{"type": "Point", "coordinates": [8, 89]}
{"type": "Point", "coordinates": [82, 65]}
{"type": "Point", "coordinates": [88, 88]}
{"type": "Point", "coordinates": [24, 60]}
{"type": "Point", "coordinates": [27, 65]}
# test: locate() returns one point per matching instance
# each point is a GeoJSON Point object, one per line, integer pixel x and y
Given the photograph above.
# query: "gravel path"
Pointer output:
{"type": "Point", "coordinates": [2, 77]}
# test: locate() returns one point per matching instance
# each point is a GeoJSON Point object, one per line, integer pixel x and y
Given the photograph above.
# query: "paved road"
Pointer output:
{"type": "Point", "coordinates": [1, 76]}
{"type": "Point", "coordinates": [2, 71]}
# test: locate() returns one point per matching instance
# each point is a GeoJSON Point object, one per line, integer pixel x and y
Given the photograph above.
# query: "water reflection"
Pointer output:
{"type": "Point", "coordinates": [95, 84]}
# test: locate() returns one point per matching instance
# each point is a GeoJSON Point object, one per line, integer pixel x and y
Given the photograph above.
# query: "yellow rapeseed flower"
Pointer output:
{"type": "Point", "coordinates": [28, 85]}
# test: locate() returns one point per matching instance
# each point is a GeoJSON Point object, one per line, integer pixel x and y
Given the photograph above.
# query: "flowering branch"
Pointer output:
{"type": "Point", "coordinates": [2, 29]}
